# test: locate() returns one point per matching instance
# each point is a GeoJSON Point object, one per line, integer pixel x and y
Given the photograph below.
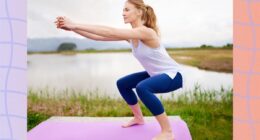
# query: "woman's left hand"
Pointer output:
{"type": "Point", "coordinates": [66, 23]}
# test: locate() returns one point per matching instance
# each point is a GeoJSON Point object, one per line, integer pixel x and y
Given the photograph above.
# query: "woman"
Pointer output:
{"type": "Point", "coordinates": [161, 75]}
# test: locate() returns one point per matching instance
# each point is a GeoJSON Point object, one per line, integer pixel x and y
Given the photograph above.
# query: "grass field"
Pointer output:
{"type": "Point", "coordinates": [216, 59]}
{"type": "Point", "coordinates": [207, 113]}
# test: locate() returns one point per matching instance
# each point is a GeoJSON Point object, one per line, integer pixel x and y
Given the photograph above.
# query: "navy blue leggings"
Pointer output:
{"type": "Point", "coordinates": [145, 87]}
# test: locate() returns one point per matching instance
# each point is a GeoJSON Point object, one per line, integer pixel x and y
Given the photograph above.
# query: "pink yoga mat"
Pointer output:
{"type": "Point", "coordinates": [51, 130]}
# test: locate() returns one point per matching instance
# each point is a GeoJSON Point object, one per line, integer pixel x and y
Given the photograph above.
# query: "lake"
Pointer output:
{"type": "Point", "coordinates": [100, 71]}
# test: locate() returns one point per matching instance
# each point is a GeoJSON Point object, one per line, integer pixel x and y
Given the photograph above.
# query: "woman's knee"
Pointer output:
{"type": "Point", "coordinates": [141, 88]}
{"type": "Point", "coordinates": [120, 83]}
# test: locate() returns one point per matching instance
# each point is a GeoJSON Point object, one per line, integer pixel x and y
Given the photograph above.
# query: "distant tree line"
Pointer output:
{"type": "Point", "coordinates": [227, 46]}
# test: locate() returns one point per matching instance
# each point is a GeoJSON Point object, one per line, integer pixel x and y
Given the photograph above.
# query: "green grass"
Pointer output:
{"type": "Point", "coordinates": [35, 118]}
{"type": "Point", "coordinates": [207, 113]}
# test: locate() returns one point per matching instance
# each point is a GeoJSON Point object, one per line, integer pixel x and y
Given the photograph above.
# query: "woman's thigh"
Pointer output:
{"type": "Point", "coordinates": [131, 80]}
{"type": "Point", "coordinates": [162, 83]}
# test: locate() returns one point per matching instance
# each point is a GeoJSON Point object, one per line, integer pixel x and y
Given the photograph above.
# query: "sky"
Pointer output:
{"type": "Point", "coordinates": [181, 22]}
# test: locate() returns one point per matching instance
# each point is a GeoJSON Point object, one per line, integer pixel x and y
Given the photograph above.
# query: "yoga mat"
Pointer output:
{"type": "Point", "coordinates": [58, 130]}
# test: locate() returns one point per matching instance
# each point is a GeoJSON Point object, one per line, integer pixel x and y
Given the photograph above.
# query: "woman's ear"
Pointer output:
{"type": "Point", "coordinates": [139, 12]}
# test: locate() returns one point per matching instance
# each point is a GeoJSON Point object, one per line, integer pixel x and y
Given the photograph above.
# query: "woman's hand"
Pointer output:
{"type": "Point", "coordinates": [65, 23]}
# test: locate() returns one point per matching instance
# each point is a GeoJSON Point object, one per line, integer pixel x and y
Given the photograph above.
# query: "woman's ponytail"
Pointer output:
{"type": "Point", "coordinates": [150, 19]}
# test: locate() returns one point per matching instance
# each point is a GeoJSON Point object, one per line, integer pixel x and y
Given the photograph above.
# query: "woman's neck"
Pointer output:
{"type": "Point", "coordinates": [137, 23]}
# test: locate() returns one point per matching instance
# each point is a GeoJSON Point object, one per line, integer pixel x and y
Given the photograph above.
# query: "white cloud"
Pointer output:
{"type": "Point", "coordinates": [182, 22]}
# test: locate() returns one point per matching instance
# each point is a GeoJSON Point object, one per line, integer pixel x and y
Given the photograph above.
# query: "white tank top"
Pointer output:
{"type": "Point", "coordinates": [155, 60]}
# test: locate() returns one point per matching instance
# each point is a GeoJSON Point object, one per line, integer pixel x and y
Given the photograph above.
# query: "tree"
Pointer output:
{"type": "Point", "coordinates": [228, 46]}
{"type": "Point", "coordinates": [67, 47]}
{"type": "Point", "coordinates": [206, 46]}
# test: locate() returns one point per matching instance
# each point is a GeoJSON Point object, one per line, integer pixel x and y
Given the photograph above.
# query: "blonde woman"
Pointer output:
{"type": "Point", "coordinates": [162, 73]}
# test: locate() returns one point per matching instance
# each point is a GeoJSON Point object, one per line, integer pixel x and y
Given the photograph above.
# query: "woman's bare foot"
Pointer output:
{"type": "Point", "coordinates": [164, 136]}
{"type": "Point", "coordinates": [132, 122]}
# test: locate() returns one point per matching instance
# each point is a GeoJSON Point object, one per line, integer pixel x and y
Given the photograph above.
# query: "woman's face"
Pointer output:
{"type": "Point", "coordinates": [130, 13]}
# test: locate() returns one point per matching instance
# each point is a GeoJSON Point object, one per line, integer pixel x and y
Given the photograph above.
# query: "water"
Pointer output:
{"type": "Point", "coordinates": [100, 71]}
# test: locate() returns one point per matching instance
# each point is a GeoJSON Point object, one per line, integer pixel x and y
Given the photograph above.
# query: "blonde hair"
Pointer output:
{"type": "Point", "coordinates": [148, 16]}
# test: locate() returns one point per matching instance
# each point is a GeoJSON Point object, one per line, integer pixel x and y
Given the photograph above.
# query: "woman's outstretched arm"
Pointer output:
{"type": "Point", "coordinates": [84, 33]}
{"type": "Point", "coordinates": [142, 33]}
{"type": "Point", "coordinates": [110, 32]}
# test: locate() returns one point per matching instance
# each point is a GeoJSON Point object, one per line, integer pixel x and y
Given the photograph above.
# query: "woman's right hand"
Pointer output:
{"type": "Point", "coordinates": [58, 25]}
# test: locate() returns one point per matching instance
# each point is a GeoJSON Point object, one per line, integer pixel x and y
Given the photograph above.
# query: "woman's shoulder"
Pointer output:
{"type": "Point", "coordinates": [148, 30]}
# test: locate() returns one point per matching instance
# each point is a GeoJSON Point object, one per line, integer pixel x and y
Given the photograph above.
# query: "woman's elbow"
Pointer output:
{"type": "Point", "coordinates": [102, 39]}
{"type": "Point", "coordinates": [111, 34]}
{"type": "Point", "coordinates": [94, 38]}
